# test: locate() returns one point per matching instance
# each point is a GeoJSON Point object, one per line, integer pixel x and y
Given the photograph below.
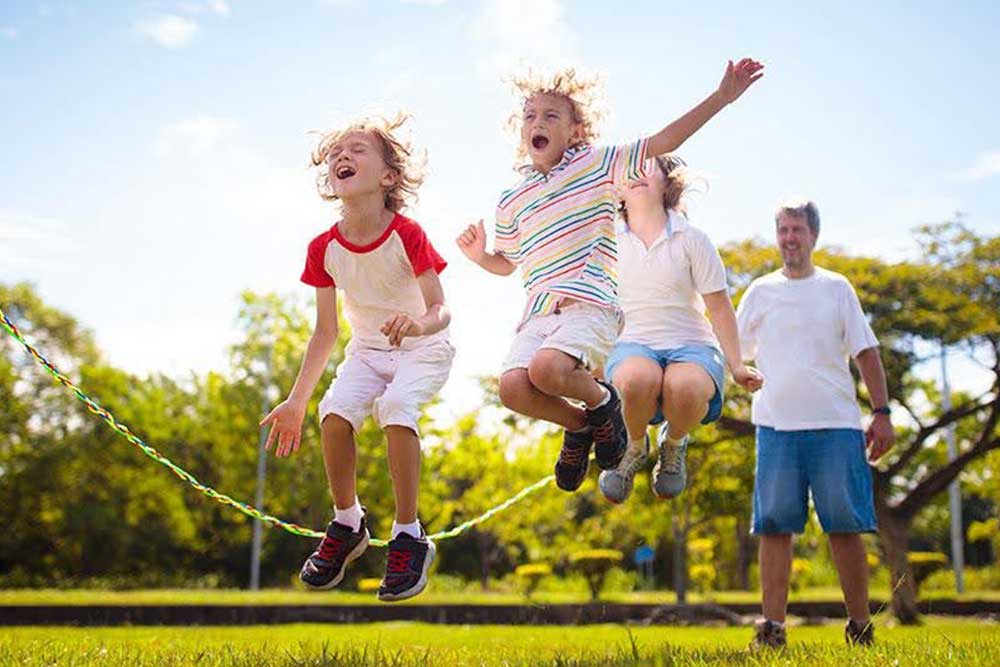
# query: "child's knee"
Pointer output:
{"type": "Point", "coordinates": [514, 388]}
{"type": "Point", "coordinates": [548, 369]}
{"type": "Point", "coordinates": [636, 387]}
{"type": "Point", "coordinates": [336, 428]}
{"type": "Point", "coordinates": [690, 392]}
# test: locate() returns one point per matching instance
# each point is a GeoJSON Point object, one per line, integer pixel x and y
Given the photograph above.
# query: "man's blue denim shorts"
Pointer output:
{"type": "Point", "coordinates": [828, 463]}
{"type": "Point", "coordinates": [706, 356]}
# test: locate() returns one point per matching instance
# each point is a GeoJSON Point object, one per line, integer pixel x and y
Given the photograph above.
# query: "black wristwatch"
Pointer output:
{"type": "Point", "coordinates": [883, 410]}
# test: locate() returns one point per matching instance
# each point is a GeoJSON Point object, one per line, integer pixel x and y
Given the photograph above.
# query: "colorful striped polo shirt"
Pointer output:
{"type": "Point", "coordinates": [560, 227]}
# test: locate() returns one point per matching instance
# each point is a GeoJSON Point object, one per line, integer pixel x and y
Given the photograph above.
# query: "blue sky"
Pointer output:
{"type": "Point", "coordinates": [154, 153]}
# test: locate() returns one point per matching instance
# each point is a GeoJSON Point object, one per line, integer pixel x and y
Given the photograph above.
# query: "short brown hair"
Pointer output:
{"type": "Point", "coordinates": [582, 92]}
{"type": "Point", "coordinates": [396, 154]}
{"type": "Point", "coordinates": [800, 208]}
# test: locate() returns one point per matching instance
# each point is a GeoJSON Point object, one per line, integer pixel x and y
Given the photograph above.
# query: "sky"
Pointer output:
{"type": "Point", "coordinates": [154, 154]}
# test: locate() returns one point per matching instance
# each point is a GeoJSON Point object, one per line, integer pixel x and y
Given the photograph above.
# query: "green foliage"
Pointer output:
{"type": "Point", "coordinates": [531, 575]}
{"type": "Point", "coordinates": [595, 564]}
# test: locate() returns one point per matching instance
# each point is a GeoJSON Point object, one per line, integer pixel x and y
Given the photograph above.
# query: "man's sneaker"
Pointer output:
{"type": "Point", "coordinates": [610, 435]}
{"type": "Point", "coordinates": [324, 569]}
{"type": "Point", "coordinates": [858, 634]}
{"type": "Point", "coordinates": [616, 485]}
{"type": "Point", "coordinates": [670, 472]}
{"type": "Point", "coordinates": [574, 458]}
{"type": "Point", "coordinates": [406, 567]}
{"type": "Point", "coordinates": [768, 634]}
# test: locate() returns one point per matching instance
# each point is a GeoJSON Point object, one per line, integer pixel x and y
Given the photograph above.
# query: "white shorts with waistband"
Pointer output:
{"type": "Point", "coordinates": [584, 331]}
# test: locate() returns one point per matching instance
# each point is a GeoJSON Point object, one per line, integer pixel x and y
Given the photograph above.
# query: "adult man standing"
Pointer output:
{"type": "Point", "coordinates": [801, 324]}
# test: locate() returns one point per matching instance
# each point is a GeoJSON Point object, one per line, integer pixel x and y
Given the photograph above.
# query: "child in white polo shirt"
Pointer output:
{"type": "Point", "coordinates": [398, 358]}
{"type": "Point", "coordinates": [668, 363]}
{"type": "Point", "coordinates": [557, 224]}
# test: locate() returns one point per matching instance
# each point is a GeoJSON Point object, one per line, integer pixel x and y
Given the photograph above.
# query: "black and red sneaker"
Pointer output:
{"type": "Point", "coordinates": [609, 432]}
{"type": "Point", "coordinates": [324, 569]}
{"type": "Point", "coordinates": [406, 567]}
{"type": "Point", "coordinates": [574, 458]}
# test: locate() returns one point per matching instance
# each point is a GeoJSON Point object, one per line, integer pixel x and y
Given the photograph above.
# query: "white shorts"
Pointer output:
{"type": "Point", "coordinates": [389, 385]}
{"type": "Point", "coordinates": [581, 330]}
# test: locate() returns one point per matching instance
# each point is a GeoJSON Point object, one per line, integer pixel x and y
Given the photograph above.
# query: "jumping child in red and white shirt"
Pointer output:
{"type": "Point", "coordinates": [397, 360]}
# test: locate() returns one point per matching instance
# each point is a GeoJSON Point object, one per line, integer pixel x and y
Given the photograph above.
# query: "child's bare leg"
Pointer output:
{"type": "Point", "coordinates": [687, 390]}
{"type": "Point", "coordinates": [639, 380]}
{"type": "Point", "coordinates": [517, 393]}
{"type": "Point", "coordinates": [556, 373]}
{"type": "Point", "coordinates": [340, 455]}
{"type": "Point", "coordinates": [404, 468]}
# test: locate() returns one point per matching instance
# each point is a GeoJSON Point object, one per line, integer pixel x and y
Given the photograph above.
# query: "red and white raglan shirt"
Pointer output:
{"type": "Point", "coordinates": [378, 281]}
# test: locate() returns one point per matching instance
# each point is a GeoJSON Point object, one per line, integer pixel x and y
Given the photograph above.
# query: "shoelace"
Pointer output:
{"type": "Point", "coordinates": [572, 456]}
{"type": "Point", "coordinates": [329, 546]}
{"type": "Point", "coordinates": [399, 561]}
{"type": "Point", "coordinates": [671, 458]}
{"type": "Point", "coordinates": [636, 463]}
{"type": "Point", "coordinates": [605, 432]}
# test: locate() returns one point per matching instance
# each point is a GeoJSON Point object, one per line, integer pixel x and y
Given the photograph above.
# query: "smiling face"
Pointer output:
{"type": "Point", "coordinates": [795, 240]}
{"type": "Point", "coordinates": [357, 168]}
{"type": "Point", "coordinates": [648, 191]}
{"type": "Point", "coordinates": [548, 128]}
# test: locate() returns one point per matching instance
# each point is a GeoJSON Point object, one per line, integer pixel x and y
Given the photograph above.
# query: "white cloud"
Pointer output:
{"type": "Point", "coordinates": [219, 7]}
{"type": "Point", "coordinates": [986, 166]}
{"type": "Point", "coordinates": [29, 242]}
{"type": "Point", "coordinates": [519, 32]}
{"type": "Point", "coordinates": [168, 30]}
{"type": "Point", "coordinates": [193, 137]}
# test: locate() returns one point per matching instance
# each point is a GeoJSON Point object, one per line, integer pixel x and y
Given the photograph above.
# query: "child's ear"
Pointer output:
{"type": "Point", "coordinates": [577, 133]}
{"type": "Point", "coordinates": [390, 178]}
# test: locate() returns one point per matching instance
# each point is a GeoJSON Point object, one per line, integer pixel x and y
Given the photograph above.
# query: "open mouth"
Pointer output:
{"type": "Point", "coordinates": [539, 142]}
{"type": "Point", "coordinates": [345, 171]}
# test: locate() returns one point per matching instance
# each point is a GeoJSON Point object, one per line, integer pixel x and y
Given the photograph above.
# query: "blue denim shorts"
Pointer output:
{"type": "Point", "coordinates": [706, 356]}
{"type": "Point", "coordinates": [828, 463]}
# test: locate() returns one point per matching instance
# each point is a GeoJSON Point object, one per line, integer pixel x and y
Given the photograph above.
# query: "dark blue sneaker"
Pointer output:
{"type": "Point", "coordinates": [406, 567]}
{"type": "Point", "coordinates": [574, 458]}
{"type": "Point", "coordinates": [608, 426]}
{"type": "Point", "coordinates": [325, 568]}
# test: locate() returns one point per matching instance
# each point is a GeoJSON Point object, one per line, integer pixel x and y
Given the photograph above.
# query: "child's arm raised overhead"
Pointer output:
{"type": "Point", "coordinates": [286, 419]}
{"type": "Point", "coordinates": [734, 83]}
{"type": "Point", "coordinates": [437, 317]}
{"type": "Point", "coordinates": [472, 243]}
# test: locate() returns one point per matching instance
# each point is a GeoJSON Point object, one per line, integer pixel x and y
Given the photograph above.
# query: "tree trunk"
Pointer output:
{"type": "Point", "coordinates": [485, 559]}
{"type": "Point", "coordinates": [744, 554]}
{"type": "Point", "coordinates": [894, 537]}
{"type": "Point", "coordinates": [680, 563]}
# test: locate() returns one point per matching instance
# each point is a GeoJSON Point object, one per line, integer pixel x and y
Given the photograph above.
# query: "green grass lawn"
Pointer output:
{"type": "Point", "coordinates": [938, 642]}
{"type": "Point", "coordinates": [299, 597]}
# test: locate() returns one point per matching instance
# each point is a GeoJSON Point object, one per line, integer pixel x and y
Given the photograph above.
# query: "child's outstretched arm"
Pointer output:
{"type": "Point", "coordinates": [723, 317]}
{"type": "Point", "coordinates": [734, 83]}
{"type": "Point", "coordinates": [437, 317]}
{"type": "Point", "coordinates": [286, 419]}
{"type": "Point", "coordinates": [472, 243]}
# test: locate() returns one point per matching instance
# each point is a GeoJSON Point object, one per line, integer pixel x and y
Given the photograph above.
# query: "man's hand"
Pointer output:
{"type": "Point", "coordinates": [738, 78]}
{"type": "Point", "coordinates": [286, 425]}
{"type": "Point", "coordinates": [748, 377]}
{"type": "Point", "coordinates": [879, 437]}
{"type": "Point", "coordinates": [399, 326]}
{"type": "Point", "coordinates": [472, 242]}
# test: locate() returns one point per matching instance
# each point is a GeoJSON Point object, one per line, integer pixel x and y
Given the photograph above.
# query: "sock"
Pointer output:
{"type": "Point", "coordinates": [411, 529]}
{"type": "Point", "coordinates": [603, 401]}
{"type": "Point", "coordinates": [672, 441]}
{"type": "Point", "coordinates": [350, 517]}
{"type": "Point", "coordinates": [780, 624]}
{"type": "Point", "coordinates": [638, 446]}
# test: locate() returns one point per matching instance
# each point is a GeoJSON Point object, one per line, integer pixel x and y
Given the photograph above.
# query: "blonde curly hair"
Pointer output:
{"type": "Point", "coordinates": [396, 153]}
{"type": "Point", "coordinates": [583, 92]}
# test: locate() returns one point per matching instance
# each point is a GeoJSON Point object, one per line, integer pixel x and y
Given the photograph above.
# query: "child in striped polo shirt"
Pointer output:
{"type": "Point", "coordinates": [557, 224]}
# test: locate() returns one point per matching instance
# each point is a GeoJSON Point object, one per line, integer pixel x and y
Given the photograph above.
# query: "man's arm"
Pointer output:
{"type": "Point", "coordinates": [880, 435]}
{"type": "Point", "coordinates": [472, 243]}
{"type": "Point", "coordinates": [735, 81]}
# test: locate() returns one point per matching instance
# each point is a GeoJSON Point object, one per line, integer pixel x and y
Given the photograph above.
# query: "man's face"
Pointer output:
{"type": "Point", "coordinates": [548, 129]}
{"type": "Point", "coordinates": [795, 240]}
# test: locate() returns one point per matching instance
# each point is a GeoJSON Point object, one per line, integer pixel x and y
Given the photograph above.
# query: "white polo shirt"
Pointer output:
{"type": "Point", "coordinates": [801, 332]}
{"type": "Point", "coordinates": [661, 286]}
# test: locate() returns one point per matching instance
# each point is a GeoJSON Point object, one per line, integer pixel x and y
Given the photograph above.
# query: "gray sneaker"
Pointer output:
{"type": "Point", "coordinates": [616, 484]}
{"type": "Point", "coordinates": [768, 635]}
{"type": "Point", "coordinates": [670, 473]}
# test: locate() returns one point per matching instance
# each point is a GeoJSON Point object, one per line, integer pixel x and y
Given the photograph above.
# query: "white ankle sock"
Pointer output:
{"type": "Point", "coordinates": [411, 529]}
{"type": "Point", "coordinates": [638, 446]}
{"type": "Point", "coordinates": [603, 401]}
{"type": "Point", "coordinates": [350, 517]}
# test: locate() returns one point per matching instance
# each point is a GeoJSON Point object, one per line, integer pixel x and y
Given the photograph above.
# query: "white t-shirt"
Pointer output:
{"type": "Point", "coordinates": [660, 287]}
{"type": "Point", "coordinates": [378, 280]}
{"type": "Point", "coordinates": [801, 332]}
